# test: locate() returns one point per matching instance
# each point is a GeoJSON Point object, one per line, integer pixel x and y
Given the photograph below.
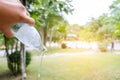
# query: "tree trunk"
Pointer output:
{"type": "Point", "coordinates": [50, 40]}
{"type": "Point", "coordinates": [23, 60]}
{"type": "Point", "coordinates": [7, 52]}
{"type": "Point", "coordinates": [45, 34]}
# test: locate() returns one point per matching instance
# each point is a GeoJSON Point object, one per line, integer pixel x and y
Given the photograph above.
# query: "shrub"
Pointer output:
{"type": "Point", "coordinates": [15, 61]}
{"type": "Point", "coordinates": [102, 47]}
{"type": "Point", "coordinates": [63, 46]}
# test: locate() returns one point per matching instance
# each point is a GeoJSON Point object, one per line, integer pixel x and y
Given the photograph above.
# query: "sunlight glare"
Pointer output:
{"type": "Point", "coordinates": [85, 9]}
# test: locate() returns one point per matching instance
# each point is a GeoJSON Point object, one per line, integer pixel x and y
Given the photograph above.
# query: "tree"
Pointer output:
{"type": "Point", "coordinates": [102, 26]}
{"type": "Point", "coordinates": [115, 14]}
{"type": "Point", "coordinates": [60, 31]}
{"type": "Point", "coordinates": [42, 10]}
{"type": "Point", "coordinates": [117, 31]}
{"type": "Point", "coordinates": [115, 11]}
{"type": "Point", "coordinates": [99, 29]}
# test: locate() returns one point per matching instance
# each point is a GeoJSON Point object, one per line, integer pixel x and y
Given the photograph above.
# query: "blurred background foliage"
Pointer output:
{"type": "Point", "coordinates": [53, 27]}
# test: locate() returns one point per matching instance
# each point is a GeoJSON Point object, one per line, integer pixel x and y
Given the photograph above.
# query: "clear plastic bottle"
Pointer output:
{"type": "Point", "coordinates": [29, 36]}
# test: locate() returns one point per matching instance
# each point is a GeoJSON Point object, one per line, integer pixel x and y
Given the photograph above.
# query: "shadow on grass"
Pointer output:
{"type": "Point", "coordinates": [9, 76]}
{"type": "Point", "coordinates": [3, 75]}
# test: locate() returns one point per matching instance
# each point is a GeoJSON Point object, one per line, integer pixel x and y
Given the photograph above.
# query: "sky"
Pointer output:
{"type": "Point", "coordinates": [85, 9]}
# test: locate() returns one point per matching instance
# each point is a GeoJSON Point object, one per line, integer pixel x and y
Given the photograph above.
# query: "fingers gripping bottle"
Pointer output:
{"type": "Point", "coordinates": [29, 36]}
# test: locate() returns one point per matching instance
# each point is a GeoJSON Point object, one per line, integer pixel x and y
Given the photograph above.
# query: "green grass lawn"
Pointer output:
{"type": "Point", "coordinates": [82, 67]}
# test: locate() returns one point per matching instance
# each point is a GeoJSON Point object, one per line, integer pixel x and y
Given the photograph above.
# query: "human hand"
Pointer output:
{"type": "Point", "coordinates": [11, 13]}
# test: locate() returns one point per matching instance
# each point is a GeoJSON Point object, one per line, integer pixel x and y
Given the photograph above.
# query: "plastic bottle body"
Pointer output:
{"type": "Point", "coordinates": [29, 36]}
